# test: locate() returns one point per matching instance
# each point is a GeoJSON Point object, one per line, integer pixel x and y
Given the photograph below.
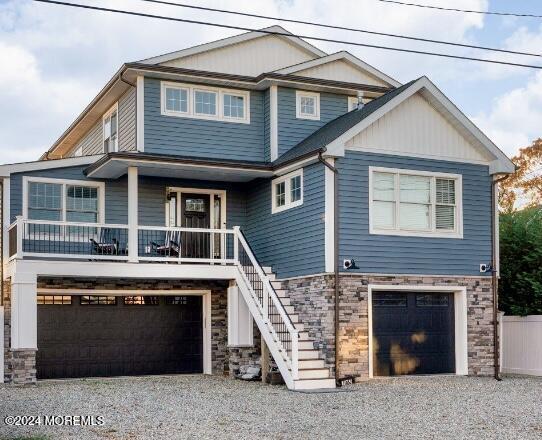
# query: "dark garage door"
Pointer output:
{"type": "Point", "coordinates": [413, 333]}
{"type": "Point", "coordinates": [90, 336]}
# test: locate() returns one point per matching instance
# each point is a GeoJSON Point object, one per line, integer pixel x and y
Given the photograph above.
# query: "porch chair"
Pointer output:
{"type": "Point", "coordinates": [171, 246]}
{"type": "Point", "coordinates": [107, 244]}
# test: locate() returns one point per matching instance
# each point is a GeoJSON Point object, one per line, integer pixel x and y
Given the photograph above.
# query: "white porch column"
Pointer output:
{"type": "Point", "coordinates": [132, 214]}
{"type": "Point", "coordinates": [329, 229]}
{"type": "Point", "coordinates": [24, 311]}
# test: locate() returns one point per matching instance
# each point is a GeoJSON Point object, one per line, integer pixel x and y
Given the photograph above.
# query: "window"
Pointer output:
{"type": "Point", "coordinates": [141, 300]}
{"type": "Point", "coordinates": [98, 300]}
{"type": "Point", "coordinates": [287, 191]}
{"type": "Point", "coordinates": [176, 100]}
{"type": "Point", "coordinates": [205, 102]}
{"type": "Point", "coordinates": [176, 300]}
{"type": "Point", "coordinates": [390, 299]}
{"type": "Point", "coordinates": [54, 300]}
{"type": "Point", "coordinates": [432, 300]}
{"type": "Point", "coordinates": [110, 130]}
{"type": "Point", "coordinates": [194, 205]}
{"type": "Point", "coordinates": [404, 202]}
{"type": "Point", "coordinates": [233, 106]}
{"type": "Point", "coordinates": [307, 105]}
{"type": "Point", "coordinates": [63, 200]}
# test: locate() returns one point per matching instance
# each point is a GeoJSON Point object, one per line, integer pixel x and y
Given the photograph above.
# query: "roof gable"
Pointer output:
{"type": "Point", "coordinates": [341, 66]}
{"type": "Point", "coordinates": [250, 54]}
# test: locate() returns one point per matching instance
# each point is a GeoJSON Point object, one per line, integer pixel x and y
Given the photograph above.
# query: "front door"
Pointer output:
{"type": "Point", "coordinates": [195, 213]}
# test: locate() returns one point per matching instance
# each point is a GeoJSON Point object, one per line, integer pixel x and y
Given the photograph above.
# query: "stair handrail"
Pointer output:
{"type": "Point", "coordinates": [268, 287]}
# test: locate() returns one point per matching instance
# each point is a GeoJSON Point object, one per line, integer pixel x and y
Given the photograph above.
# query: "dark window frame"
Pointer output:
{"type": "Point", "coordinates": [86, 300]}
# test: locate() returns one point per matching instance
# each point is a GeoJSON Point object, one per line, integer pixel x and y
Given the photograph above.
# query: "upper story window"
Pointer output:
{"type": "Point", "coordinates": [110, 130]}
{"type": "Point", "coordinates": [63, 200]}
{"type": "Point", "coordinates": [202, 102]}
{"type": "Point", "coordinates": [415, 203]}
{"type": "Point", "coordinates": [307, 105]}
{"type": "Point", "coordinates": [287, 191]}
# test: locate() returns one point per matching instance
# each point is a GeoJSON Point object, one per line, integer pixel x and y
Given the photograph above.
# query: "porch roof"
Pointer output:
{"type": "Point", "coordinates": [115, 165]}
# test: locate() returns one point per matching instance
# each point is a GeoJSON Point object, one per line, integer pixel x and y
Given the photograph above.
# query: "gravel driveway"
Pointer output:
{"type": "Point", "coordinates": [215, 407]}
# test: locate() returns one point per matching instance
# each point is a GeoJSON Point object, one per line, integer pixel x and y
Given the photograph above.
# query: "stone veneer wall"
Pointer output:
{"type": "Point", "coordinates": [313, 300]}
{"type": "Point", "coordinates": [20, 366]}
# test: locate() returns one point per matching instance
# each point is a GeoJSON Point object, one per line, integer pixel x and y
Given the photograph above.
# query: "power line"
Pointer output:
{"type": "Point", "coordinates": [329, 26]}
{"type": "Point", "coordinates": [469, 11]}
{"type": "Point", "coordinates": [268, 32]}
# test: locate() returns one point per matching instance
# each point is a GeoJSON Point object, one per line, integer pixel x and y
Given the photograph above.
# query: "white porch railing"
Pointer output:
{"type": "Point", "coordinates": [90, 241]}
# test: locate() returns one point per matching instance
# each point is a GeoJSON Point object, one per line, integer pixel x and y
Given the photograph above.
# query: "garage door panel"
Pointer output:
{"type": "Point", "coordinates": [85, 340]}
{"type": "Point", "coordinates": [413, 333]}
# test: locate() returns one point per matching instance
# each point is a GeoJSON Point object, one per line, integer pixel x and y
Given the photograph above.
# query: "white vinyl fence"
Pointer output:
{"type": "Point", "coordinates": [521, 344]}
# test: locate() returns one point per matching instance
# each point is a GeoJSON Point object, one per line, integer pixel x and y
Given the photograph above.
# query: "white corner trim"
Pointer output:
{"type": "Point", "coordinates": [329, 182]}
{"type": "Point", "coordinates": [133, 208]}
{"type": "Point", "coordinates": [287, 193]}
{"type": "Point", "coordinates": [304, 94]}
{"type": "Point", "coordinates": [64, 183]}
{"type": "Point", "coordinates": [140, 113]}
{"type": "Point", "coordinates": [7, 217]}
{"type": "Point", "coordinates": [434, 233]}
{"type": "Point", "coordinates": [501, 164]}
{"type": "Point", "coordinates": [273, 121]}
{"type": "Point", "coordinates": [460, 319]}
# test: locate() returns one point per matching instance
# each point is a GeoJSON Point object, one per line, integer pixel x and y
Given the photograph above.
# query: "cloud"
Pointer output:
{"type": "Point", "coordinates": [514, 119]}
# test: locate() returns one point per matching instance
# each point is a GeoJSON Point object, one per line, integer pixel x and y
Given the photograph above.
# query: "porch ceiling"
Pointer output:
{"type": "Point", "coordinates": [115, 165]}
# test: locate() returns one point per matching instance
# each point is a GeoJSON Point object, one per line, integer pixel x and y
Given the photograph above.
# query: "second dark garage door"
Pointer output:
{"type": "Point", "coordinates": [91, 336]}
{"type": "Point", "coordinates": [413, 333]}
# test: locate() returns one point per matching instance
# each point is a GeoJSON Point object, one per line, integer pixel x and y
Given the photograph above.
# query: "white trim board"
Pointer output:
{"type": "Point", "coordinates": [140, 113]}
{"type": "Point", "coordinates": [329, 226]}
{"type": "Point", "coordinates": [460, 319]}
{"type": "Point", "coordinates": [7, 170]}
{"type": "Point", "coordinates": [501, 163]}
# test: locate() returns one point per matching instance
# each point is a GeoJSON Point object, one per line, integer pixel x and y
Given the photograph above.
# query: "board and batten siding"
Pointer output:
{"type": "Point", "coordinates": [291, 241]}
{"type": "Point", "coordinates": [193, 137]}
{"type": "Point", "coordinates": [413, 255]}
{"type": "Point", "coordinates": [292, 130]}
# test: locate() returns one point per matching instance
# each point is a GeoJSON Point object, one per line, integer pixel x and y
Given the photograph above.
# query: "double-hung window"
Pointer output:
{"type": "Point", "coordinates": [287, 191]}
{"type": "Point", "coordinates": [62, 200]}
{"type": "Point", "coordinates": [110, 130]}
{"type": "Point", "coordinates": [416, 203]}
{"type": "Point", "coordinates": [307, 105]}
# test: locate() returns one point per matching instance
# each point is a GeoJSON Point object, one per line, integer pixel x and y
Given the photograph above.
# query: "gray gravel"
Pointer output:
{"type": "Point", "coordinates": [215, 407]}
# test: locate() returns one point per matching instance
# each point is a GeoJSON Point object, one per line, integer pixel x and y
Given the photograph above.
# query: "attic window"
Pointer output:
{"type": "Point", "coordinates": [307, 105]}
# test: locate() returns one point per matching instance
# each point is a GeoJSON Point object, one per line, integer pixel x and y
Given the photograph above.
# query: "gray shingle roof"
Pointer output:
{"type": "Point", "coordinates": [318, 140]}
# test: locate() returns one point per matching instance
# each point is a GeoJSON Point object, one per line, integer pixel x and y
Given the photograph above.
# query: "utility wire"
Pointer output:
{"type": "Point", "coordinates": [468, 11]}
{"type": "Point", "coordinates": [343, 28]}
{"type": "Point", "coordinates": [285, 34]}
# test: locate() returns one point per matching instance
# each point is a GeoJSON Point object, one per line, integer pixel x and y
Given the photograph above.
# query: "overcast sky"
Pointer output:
{"type": "Point", "coordinates": [55, 59]}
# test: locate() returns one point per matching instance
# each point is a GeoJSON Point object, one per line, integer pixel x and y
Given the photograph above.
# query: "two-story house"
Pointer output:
{"type": "Point", "coordinates": [254, 195]}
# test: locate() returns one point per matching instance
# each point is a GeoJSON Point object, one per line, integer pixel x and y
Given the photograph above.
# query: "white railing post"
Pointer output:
{"type": "Point", "coordinates": [236, 244]}
{"type": "Point", "coordinates": [20, 233]}
{"type": "Point", "coordinates": [295, 355]}
{"type": "Point", "coordinates": [133, 233]}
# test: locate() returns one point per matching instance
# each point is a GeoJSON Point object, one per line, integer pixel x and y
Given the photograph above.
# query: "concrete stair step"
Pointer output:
{"type": "Point", "coordinates": [306, 345]}
{"type": "Point", "coordinates": [271, 276]}
{"type": "Point", "coordinates": [276, 284]}
{"type": "Point", "coordinates": [285, 301]}
{"type": "Point", "coordinates": [289, 309]}
{"type": "Point", "coordinates": [304, 336]}
{"type": "Point", "coordinates": [314, 384]}
{"type": "Point", "coordinates": [308, 354]}
{"type": "Point", "coordinates": [314, 373]}
{"type": "Point", "coordinates": [311, 363]}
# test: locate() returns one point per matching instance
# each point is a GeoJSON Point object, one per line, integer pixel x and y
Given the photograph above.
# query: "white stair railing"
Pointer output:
{"type": "Point", "coordinates": [274, 318]}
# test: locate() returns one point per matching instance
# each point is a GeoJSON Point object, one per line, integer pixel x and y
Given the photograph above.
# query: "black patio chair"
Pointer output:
{"type": "Point", "coordinates": [170, 247]}
{"type": "Point", "coordinates": [107, 244]}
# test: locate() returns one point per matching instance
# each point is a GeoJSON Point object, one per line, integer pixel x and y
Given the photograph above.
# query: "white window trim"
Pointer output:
{"type": "Point", "coordinates": [298, 114]}
{"type": "Point", "coordinates": [457, 233]}
{"type": "Point", "coordinates": [165, 111]}
{"type": "Point", "coordinates": [288, 204]}
{"type": "Point", "coordinates": [191, 113]}
{"type": "Point", "coordinates": [64, 183]}
{"type": "Point", "coordinates": [114, 108]}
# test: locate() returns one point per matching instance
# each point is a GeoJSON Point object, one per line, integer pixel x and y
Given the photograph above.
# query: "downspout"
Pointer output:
{"type": "Point", "coordinates": [335, 256]}
{"type": "Point", "coordinates": [494, 280]}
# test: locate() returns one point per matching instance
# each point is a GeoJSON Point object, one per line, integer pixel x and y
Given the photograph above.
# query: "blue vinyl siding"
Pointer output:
{"type": "Point", "coordinates": [292, 130]}
{"type": "Point", "coordinates": [200, 137]}
{"type": "Point", "coordinates": [413, 255]}
{"type": "Point", "coordinates": [292, 241]}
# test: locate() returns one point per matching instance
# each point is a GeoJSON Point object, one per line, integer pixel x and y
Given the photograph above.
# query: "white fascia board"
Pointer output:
{"type": "Point", "coordinates": [7, 170]}
{"type": "Point", "coordinates": [236, 39]}
{"type": "Point", "coordinates": [343, 55]}
{"type": "Point", "coordinates": [501, 164]}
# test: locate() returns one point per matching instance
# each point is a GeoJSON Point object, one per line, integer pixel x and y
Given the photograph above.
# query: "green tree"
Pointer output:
{"type": "Point", "coordinates": [520, 286]}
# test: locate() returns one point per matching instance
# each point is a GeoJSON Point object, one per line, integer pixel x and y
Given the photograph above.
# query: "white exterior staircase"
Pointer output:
{"type": "Point", "coordinates": [284, 334]}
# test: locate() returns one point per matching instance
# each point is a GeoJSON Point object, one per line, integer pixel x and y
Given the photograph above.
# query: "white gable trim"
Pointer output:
{"type": "Point", "coordinates": [501, 163]}
{"type": "Point", "coordinates": [6, 170]}
{"type": "Point", "coordinates": [345, 56]}
{"type": "Point", "coordinates": [247, 36]}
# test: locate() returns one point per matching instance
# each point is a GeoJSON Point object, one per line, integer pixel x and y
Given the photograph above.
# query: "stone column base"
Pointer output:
{"type": "Point", "coordinates": [22, 365]}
